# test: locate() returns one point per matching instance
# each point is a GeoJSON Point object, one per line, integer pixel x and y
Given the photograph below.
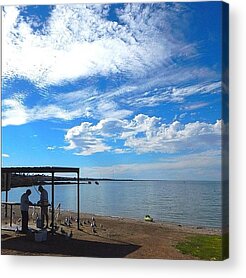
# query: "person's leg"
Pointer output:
{"type": "Point", "coordinates": [27, 220]}
{"type": "Point", "coordinates": [47, 219]}
{"type": "Point", "coordinates": [24, 220]}
{"type": "Point", "coordinates": [42, 218]}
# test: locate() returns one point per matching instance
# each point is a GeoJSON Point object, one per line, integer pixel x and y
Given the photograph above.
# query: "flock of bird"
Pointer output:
{"type": "Point", "coordinates": [67, 222]}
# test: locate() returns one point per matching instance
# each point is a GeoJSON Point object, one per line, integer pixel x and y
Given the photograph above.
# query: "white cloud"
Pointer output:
{"type": "Point", "coordinates": [183, 115]}
{"type": "Point", "coordinates": [5, 155]}
{"type": "Point", "coordinates": [14, 113]}
{"type": "Point", "coordinates": [143, 134]}
{"type": "Point", "coordinates": [174, 137]}
{"type": "Point", "coordinates": [195, 106]}
{"type": "Point", "coordinates": [51, 148]}
{"type": "Point", "coordinates": [84, 138]}
{"type": "Point", "coordinates": [65, 107]}
{"type": "Point", "coordinates": [79, 41]}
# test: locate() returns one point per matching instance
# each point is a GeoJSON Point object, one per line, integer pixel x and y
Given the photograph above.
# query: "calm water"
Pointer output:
{"type": "Point", "coordinates": [191, 203]}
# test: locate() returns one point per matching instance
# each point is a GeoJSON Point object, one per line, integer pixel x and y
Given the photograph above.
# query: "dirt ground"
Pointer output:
{"type": "Point", "coordinates": [111, 238]}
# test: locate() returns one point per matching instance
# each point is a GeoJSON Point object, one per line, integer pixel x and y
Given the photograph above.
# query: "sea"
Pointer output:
{"type": "Point", "coordinates": [192, 203]}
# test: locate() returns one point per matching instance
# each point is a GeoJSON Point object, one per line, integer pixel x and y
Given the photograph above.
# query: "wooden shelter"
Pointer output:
{"type": "Point", "coordinates": [7, 171]}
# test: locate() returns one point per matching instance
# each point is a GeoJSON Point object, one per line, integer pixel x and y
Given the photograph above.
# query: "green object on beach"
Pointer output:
{"type": "Point", "coordinates": [206, 247]}
{"type": "Point", "coordinates": [148, 218]}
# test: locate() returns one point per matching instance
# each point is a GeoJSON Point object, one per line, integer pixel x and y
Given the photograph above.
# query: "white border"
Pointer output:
{"type": "Point", "coordinates": [82, 267]}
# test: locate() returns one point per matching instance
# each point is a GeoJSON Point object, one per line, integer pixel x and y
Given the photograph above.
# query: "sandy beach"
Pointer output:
{"type": "Point", "coordinates": [112, 237]}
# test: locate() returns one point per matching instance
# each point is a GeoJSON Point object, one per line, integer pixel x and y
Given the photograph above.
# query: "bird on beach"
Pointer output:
{"type": "Point", "coordinates": [17, 231]}
{"type": "Point", "coordinates": [13, 217]}
{"type": "Point", "coordinates": [34, 214]}
{"type": "Point", "coordinates": [93, 224]}
{"type": "Point", "coordinates": [58, 217]}
{"type": "Point", "coordinates": [72, 218]}
{"type": "Point", "coordinates": [56, 227]}
{"type": "Point", "coordinates": [68, 221]}
{"type": "Point", "coordinates": [71, 234]}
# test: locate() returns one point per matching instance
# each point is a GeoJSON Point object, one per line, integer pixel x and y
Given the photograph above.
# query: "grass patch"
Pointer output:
{"type": "Point", "coordinates": [206, 247]}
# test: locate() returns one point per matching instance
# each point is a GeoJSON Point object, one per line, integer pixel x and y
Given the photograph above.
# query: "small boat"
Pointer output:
{"type": "Point", "coordinates": [96, 182]}
{"type": "Point", "coordinates": [148, 218]}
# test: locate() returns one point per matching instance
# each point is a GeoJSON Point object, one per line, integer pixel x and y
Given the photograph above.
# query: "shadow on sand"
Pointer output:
{"type": "Point", "coordinates": [59, 246]}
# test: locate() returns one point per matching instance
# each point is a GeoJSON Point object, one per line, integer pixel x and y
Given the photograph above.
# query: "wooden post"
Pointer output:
{"type": "Point", "coordinates": [78, 199]}
{"type": "Point", "coordinates": [6, 206]}
{"type": "Point", "coordinates": [11, 215]}
{"type": "Point", "coordinates": [53, 204]}
{"type": "Point", "coordinates": [5, 185]}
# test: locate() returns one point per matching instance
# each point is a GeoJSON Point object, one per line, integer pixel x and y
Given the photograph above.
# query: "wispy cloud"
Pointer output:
{"type": "Point", "coordinates": [205, 165]}
{"type": "Point", "coordinates": [79, 41]}
{"type": "Point", "coordinates": [173, 93]}
{"type": "Point", "coordinates": [16, 113]}
{"type": "Point", "coordinates": [51, 148]}
{"type": "Point", "coordinates": [195, 106]}
{"type": "Point", "coordinates": [89, 103]}
{"type": "Point", "coordinates": [5, 155]}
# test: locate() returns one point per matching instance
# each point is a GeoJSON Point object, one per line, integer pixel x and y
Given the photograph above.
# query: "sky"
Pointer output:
{"type": "Point", "coordinates": [119, 90]}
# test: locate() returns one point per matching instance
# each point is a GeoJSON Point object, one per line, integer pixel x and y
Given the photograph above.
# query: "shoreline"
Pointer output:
{"type": "Point", "coordinates": [188, 227]}
{"type": "Point", "coordinates": [201, 229]}
{"type": "Point", "coordinates": [166, 224]}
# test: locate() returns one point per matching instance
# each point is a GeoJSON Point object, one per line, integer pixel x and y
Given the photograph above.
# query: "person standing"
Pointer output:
{"type": "Point", "coordinates": [44, 205]}
{"type": "Point", "coordinates": [24, 210]}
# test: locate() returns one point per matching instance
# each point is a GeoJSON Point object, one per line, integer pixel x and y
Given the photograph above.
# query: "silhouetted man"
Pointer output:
{"type": "Point", "coordinates": [24, 210]}
{"type": "Point", "coordinates": [44, 205]}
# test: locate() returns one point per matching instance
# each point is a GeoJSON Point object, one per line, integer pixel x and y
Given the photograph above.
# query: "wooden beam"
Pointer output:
{"type": "Point", "coordinates": [39, 170]}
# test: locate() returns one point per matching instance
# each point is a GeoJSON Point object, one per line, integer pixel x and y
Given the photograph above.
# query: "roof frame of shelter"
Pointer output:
{"type": "Point", "coordinates": [46, 169]}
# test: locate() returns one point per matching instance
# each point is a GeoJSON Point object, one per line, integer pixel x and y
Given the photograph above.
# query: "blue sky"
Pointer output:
{"type": "Point", "coordinates": [119, 90]}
